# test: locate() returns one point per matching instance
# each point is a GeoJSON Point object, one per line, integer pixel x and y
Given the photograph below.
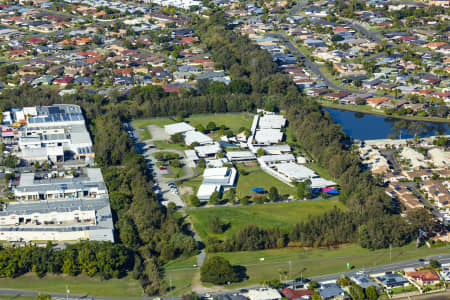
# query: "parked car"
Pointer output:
{"type": "Point", "coordinates": [162, 168]}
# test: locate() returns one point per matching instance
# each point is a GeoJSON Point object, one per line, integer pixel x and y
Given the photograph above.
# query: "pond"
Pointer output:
{"type": "Point", "coordinates": [363, 126]}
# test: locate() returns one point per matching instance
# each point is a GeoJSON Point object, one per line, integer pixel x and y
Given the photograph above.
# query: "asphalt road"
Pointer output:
{"type": "Point", "coordinates": [144, 149]}
{"type": "Point", "coordinates": [299, 5]}
{"type": "Point", "coordinates": [370, 34]}
{"type": "Point", "coordinates": [443, 259]}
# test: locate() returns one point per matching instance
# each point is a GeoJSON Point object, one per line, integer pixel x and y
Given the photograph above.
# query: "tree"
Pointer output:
{"type": "Point", "coordinates": [313, 285]}
{"type": "Point", "coordinates": [211, 126]}
{"type": "Point", "coordinates": [273, 194]}
{"type": "Point", "coordinates": [201, 164]}
{"type": "Point", "coordinates": [199, 127]}
{"type": "Point", "coordinates": [434, 264]}
{"type": "Point", "coordinates": [216, 225]}
{"type": "Point", "coordinates": [195, 201]}
{"type": "Point", "coordinates": [260, 152]}
{"type": "Point", "coordinates": [371, 293]}
{"type": "Point", "coordinates": [176, 138]}
{"type": "Point", "coordinates": [304, 189]}
{"type": "Point", "coordinates": [360, 101]}
{"type": "Point", "coordinates": [357, 292]}
{"type": "Point", "coordinates": [218, 270]}
{"type": "Point", "coordinates": [316, 296]}
{"type": "Point", "coordinates": [337, 38]}
{"type": "Point", "coordinates": [344, 281]}
{"type": "Point", "coordinates": [214, 198]}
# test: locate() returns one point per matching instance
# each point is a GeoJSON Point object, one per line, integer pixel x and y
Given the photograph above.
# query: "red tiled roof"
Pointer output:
{"type": "Point", "coordinates": [67, 79]}
{"type": "Point", "coordinates": [424, 275]}
{"type": "Point", "coordinates": [295, 294]}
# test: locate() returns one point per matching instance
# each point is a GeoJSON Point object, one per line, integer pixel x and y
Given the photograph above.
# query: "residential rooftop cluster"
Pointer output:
{"type": "Point", "coordinates": [101, 45]}
{"type": "Point", "coordinates": [416, 172]}
{"type": "Point", "coordinates": [350, 60]}
{"type": "Point", "coordinates": [52, 195]}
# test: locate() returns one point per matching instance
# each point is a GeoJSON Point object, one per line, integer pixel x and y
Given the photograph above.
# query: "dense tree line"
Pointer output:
{"type": "Point", "coordinates": [90, 258]}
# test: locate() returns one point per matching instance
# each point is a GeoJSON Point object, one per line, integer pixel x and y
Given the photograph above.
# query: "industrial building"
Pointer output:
{"type": "Point", "coordinates": [216, 179]}
{"type": "Point", "coordinates": [88, 184]}
{"type": "Point", "coordinates": [65, 203]}
{"type": "Point", "coordinates": [48, 133]}
{"type": "Point", "coordinates": [57, 220]}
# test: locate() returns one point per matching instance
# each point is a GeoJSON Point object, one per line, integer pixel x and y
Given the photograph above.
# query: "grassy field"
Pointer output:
{"type": "Point", "coordinates": [234, 121]}
{"type": "Point", "coordinates": [258, 178]}
{"type": "Point", "coordinates": [266, 215]}
{"type": "Point", "coordinates": [16, 297]}
{"type": "Point", "coordinates": [80, 285]}
{"type": "Point", "coordinates": [179, 272]}
{"type": "Point", "coordinates": [318, 261]}
{"type": "Point", "coordinates": [167, 145]}
{"type": "Point", "coordinates": [176, 173]}
{"type": "Point", "coordinates": [181, 281]}
{"type": "Point", "coordinates": [141, 126]}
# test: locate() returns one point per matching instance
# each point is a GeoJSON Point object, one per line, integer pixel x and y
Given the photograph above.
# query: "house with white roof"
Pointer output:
{"type": "Point", "coordinates": [208, 150]}
{"type": "Point", "coordinates": [295, 172]}
{"type": "Point", "coordinates": [181, 127]}
{"type": "Point", "coordinates": [191, 137]}
{"type": "Point", "coordinates": [216, 179]}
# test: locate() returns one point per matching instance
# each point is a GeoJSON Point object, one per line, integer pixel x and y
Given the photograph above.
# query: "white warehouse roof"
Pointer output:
{"type": "Point", "coordinates": [191, 137]}
{"type": "Point", "coordinates": [294, 171]}
{"type": "Point", "coordinates": [272, 121]}
{"type": "Point", "coordinates": [268, 136]}
{"type": "Point", "coordinates": [215, 172]}
{"type": "Point", "coordinates": [191, 155]}
{"type": "Point", "coordinates": [208, 150]}
{"type": "Point", "coordinates": [240, 155]}
{"type": "Point", "coordinates": [178, 128]}
{"type": "Point", "coordinates": [205, 191]}
{"type": "Point", "coordinates": [277, 158]}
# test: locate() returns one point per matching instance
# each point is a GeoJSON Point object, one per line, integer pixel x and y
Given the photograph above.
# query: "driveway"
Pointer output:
{"type": "Point", "coordinates": [163, 182]}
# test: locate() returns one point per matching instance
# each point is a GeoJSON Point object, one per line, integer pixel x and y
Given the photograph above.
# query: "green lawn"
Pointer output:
{"type": "Point", "coordinates": [181, 263]}
{"type": "Point", "coordinates": [403, 289]}
{"type": "Point", "coordinates": [181, 281]}
{"type": "Point", "coordinates": [166, 145]}
{"type": "Point", "coordinates": [176, 173]}
{"type": "Point", "coordinates": [266, 216]}
{"type": "Point", "coordinates": [16, 297]}
{"type": "Point", "coordinates": [234, 121]}
{"type": "Point", "coordinates": [318, 261]}
{"type": "Point", "coordinates": [80, 285]}
{"type": "Point", "coordinates": [179, 272]}
{"type": "Point", "coordinates": [142, 124]}
{"type": "Point", "coordinates": [258, 178]}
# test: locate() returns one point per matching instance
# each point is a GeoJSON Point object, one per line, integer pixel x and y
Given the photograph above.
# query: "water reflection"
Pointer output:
{"type": "Point", "coordinates": [365, 126]}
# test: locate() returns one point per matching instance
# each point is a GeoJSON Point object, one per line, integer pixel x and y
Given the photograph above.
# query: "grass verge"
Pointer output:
{"type": "Point", "coordinates": [316, 262]}
{"type": "Point", "coordinates": [270, 215]}
{"type": "Point", "coordinates": [80, 285]}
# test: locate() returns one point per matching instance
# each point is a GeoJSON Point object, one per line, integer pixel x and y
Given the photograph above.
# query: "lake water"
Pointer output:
{"type": "Point", "coordinates": [369, 127]}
